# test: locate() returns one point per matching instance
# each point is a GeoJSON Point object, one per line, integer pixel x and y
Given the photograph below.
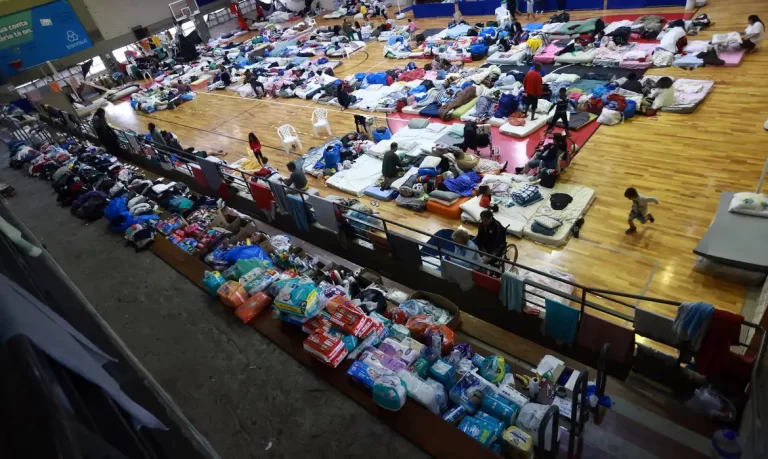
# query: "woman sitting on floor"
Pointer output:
{"type": "Point", "coordinates": [754, 34]}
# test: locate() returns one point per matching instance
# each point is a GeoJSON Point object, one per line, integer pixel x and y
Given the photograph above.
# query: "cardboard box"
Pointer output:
{"type": "Point", "coordinates": [442, 302]}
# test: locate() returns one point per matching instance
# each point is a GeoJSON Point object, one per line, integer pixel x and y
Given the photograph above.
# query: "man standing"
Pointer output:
{"type": "Point", "coordinates": [534, 89]}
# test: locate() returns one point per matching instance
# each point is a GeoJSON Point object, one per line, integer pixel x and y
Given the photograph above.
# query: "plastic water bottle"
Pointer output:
{"type": "Point", "coordinates": [725, 445]}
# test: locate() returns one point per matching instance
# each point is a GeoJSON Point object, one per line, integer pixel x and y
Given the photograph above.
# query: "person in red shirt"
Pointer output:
{"type": "Point", "coordinates": [533, 87]}
{"type": "Point", "coordinates": [484, 191]}
{"type": "Point", "coordinates": [255, 146]}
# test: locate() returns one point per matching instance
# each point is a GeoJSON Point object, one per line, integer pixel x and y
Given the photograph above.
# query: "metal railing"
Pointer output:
{"type": "Point", "coordinates": [173, 159]}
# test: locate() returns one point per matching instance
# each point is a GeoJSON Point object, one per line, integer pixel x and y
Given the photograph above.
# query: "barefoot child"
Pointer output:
{"type": "Point", "coordinates": [639, 210]}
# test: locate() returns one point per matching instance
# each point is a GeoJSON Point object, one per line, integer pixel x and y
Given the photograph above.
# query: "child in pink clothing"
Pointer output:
{"type": "Point", "coordinates": [411, 26]}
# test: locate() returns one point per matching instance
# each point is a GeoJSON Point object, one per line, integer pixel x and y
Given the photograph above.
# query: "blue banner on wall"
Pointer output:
{"type": "Point", "coordinates": [44, 33]}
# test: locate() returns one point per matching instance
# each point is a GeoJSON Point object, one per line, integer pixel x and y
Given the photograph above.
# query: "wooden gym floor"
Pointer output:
{"type": "Point", "coordinates": [684, 160]}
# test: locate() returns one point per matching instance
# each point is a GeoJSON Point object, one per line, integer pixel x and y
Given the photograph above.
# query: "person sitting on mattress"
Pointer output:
{"type": "Point", "coordinates": [491, 236]}
{"type": "Point", "coordinates": [466, 249]}
{"type": "Point", "coordinates": [391, 165]}
{"type": "Point", "coordinates": [547, 157]}
{"type": "Point", "coordinates": [663, 95]}
{"type": "Point", "coordinates": [484, 191]}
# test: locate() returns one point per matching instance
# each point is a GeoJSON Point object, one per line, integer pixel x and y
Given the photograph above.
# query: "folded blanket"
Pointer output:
{"type": "Point", "coordinates": [525, 194]}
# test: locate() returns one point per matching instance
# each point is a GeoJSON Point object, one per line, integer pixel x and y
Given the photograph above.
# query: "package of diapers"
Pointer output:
{"type": "Point", "coordinates": [469, 392]}
{"type": "Point", "coordinates": [500, 408]}
{"type": "Point", "coordinates": [389, 392]}
{"type": "Point", "coordinates": [396, 349]}
{"type": "Point", "coordinates": [297, 295]}
{"type": "Point", "coordinates": [478, 430]}
{"type": "Point", "coordinates": [366, 374]}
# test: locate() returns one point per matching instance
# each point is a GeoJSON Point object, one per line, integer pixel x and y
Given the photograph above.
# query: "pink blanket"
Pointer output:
{"type": "Point", "coordinates": [547, 56]}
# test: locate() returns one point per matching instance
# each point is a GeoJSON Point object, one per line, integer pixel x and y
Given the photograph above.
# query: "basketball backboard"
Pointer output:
{"type": "Point", "coordinates": [183, 10]}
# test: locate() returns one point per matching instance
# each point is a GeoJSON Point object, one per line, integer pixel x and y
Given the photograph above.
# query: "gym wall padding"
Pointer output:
{"type": "Point", "coordinates": [551, 5]}
{"type": "Point", "coordinates": [433, 10]}
{"type": "Point", "coordinates": [479, 8]}
{"type": "Point", "coordinates": [627, 4]}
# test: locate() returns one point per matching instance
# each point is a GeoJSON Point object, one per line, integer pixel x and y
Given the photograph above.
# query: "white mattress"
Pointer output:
{"type": "Point", "coordinates": [514, 218]}
{"type": "Point", "coordinates": [364, 173]}
{"type": "Point", "coordinates": [578, 57]}
{"type": "Point", "coordinates": [354, 47]}
{"type": "Point", "coordinates": [582, 198]}
{"type": "Point", "coordinates": [370, 96]}
{"type": "Point", "coordinates": [409, 110]}
{"type": "Point", "coordinates": [508, 58]}
{"type": "Point", "coordinates": [470, 116]}
{"type": "Point", "coordinates": [528, 128]}
{"type": "Point", "coordinates": [423, 138]}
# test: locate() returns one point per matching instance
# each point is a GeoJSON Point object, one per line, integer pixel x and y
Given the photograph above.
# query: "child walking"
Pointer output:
{"type": "Point", "coordinates": [531, 12]}
{"type": "Point", "coordinates": [639, 210]}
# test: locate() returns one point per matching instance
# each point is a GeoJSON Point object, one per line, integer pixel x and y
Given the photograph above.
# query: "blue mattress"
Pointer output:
{"type": "Point", "coordinates": [533, 27]}
{"type": "Point", "coordinates": [382, 195]}
{"type": "Point", "coordinates": [430, 110]}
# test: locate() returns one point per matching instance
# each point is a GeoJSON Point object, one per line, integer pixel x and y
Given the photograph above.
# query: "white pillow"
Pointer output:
{"type": "Point", "coordinates": [543, 106]}
{"type": "Point", "coordinates": [431, 161]}
{"type": "Point", "coordinates": [749, 203]}
{"type": "Point", "coordinates": [568, 77]}
{"type": "Point", "coordinates": [548, 222]}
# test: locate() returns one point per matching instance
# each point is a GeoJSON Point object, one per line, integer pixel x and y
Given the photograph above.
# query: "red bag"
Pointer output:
{"type": "Point", "coordinates": [595, 106]}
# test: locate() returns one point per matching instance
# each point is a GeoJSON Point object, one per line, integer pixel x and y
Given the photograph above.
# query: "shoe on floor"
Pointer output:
{"type": "Point", "coordinates": [504, 166]}
{"type": "Point", "coordinates": [651, 219]}
{"type": "Point", "coordinates": [518, 170]}
{"type": "Point", "coordinates": [630, 231]}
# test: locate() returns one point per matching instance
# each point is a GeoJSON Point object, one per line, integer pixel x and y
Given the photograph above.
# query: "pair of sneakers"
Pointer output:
{"type": "Point", "coordinates": [634, 229]}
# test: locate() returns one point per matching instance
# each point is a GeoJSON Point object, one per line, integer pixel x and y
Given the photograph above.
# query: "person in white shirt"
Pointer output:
{"type": "Point", "coordinates": [754, 34]}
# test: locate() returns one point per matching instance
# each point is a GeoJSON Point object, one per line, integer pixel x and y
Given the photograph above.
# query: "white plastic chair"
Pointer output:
{"type": "Point", "coordinates": [289, 136]}
{"type": "Point", "coordinates": [502, 15]}
{"type": "Point", "coordinates": [320, 120]}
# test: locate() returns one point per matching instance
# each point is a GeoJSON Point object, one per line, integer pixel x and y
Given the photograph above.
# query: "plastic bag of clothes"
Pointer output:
{"type": "Point", "coordinates": [609, 117]}
{"type": "Point", "coordinates": [141, 235]}
{"type": "Point", "coordinates": [245, 252]}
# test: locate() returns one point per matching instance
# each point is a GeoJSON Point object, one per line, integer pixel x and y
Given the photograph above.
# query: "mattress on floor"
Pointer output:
{"type": "Point", "coordinates": [364, 173]}
{"type": "Point", "coordinates": [528, 128]}
{"type": "Point", "coordinates": [493, 121]}
{"type": "Point", "coordinates": [376, 192]}
{"type": "Point", "coordinates": [689, 61]}
{"type": "Point", "coordinates": [513, 218]}
{"type": "Point", "coordinates": [354, 47]}
{"type": "Point", "coordinates": [689, 94]}
{"type": "Point", "coordinates": [578, 120]}
{"type": "Point", "coordinates": [547, 56]}
{"type": "Point", "coordinates": [369, 97]}
{"type": "Point", "coordinates": [577, 57]}
{"type": "Point", "coordinates": [732, 58]}
{"type": "Point", "coordinates": [639, 57]}
{"type": "Point", "coordinates": [508, 57]}
{"type": "Point", "coordinates": [453, 211]}
{"type": "Point", "coordinates": [411, 142]}
{"type": "Point", "coordinates": [410, 110]}
{"type": "Point", "coordinates": [582, 199]}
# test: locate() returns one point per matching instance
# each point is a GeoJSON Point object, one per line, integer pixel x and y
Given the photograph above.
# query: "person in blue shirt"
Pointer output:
{"type": "Point", "coordinates": [466, 249]}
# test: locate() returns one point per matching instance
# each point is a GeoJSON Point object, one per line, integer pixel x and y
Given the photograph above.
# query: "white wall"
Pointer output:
{"type": "Point", "coordinates": [116, 17]}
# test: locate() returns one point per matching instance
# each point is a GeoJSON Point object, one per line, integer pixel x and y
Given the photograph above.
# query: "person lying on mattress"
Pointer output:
{"type": "Point", "coordinates": [466, 249]}
{"type": "Point", "coordinates": [491, 236]}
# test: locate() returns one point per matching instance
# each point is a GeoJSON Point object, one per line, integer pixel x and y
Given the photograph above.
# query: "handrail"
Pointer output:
{"type": "Point", "coordinates": [553, 414]}
{"type": "Point", "coordinates": [237, 174]}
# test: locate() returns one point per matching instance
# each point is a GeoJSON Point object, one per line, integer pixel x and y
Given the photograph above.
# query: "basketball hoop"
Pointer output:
{"type": "Point", "coordinates": [183, 10]}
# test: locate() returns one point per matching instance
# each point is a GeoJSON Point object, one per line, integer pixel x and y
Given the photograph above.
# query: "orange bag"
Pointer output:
{"type": "Point", "coordinates": [449, 338]}
{"type": "Point", "coordinates": [418, 324]}
{"type": "Point", "coordinates": [253, 307]}
{"type": "Point", "coordinates": [233, 294]}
